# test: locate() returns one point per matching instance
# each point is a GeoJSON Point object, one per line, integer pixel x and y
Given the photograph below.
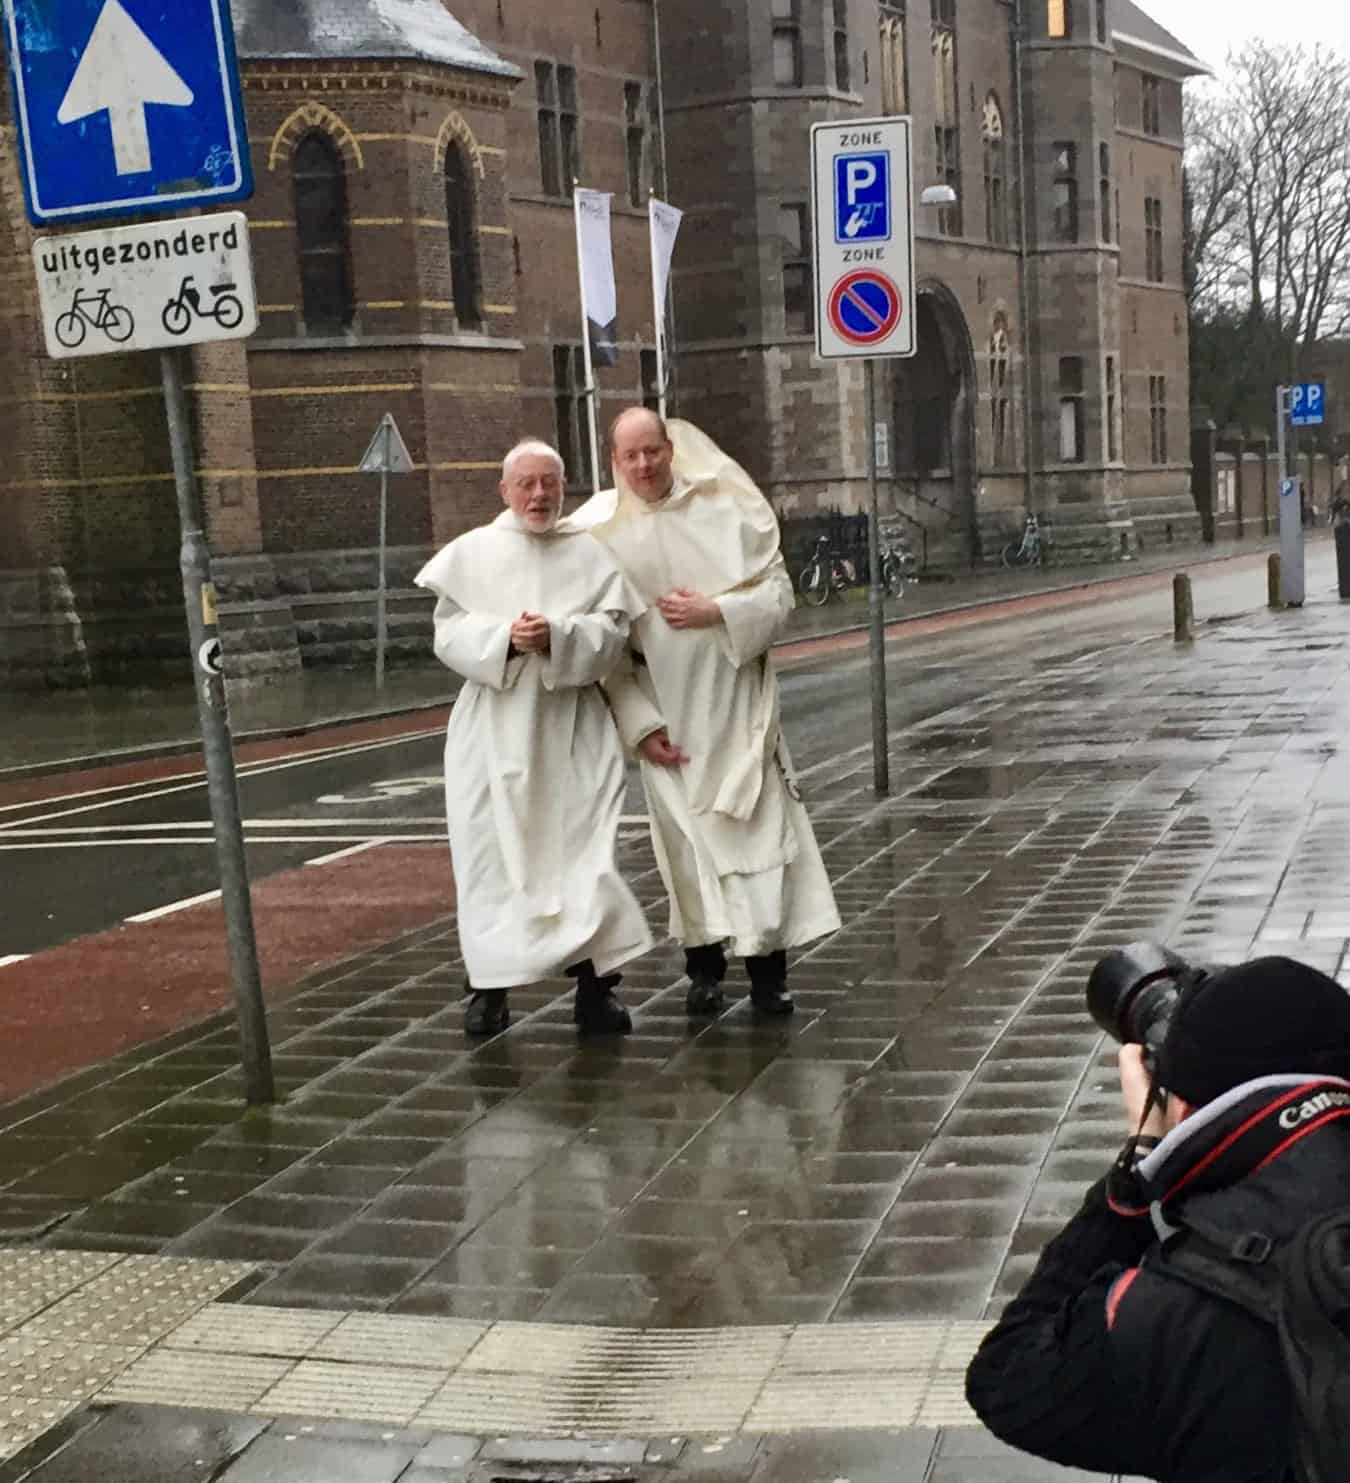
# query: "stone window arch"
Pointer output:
{"type": "Point", "coordinates": [323, 234]}
{"type": "Point", "coordinates": [307, 118]}
{"type": "Point", "coordinates": [461, 217]}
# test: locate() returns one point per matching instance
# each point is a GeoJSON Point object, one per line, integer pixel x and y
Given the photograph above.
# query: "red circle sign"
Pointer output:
{"type": "Point", "coordinates": [865, 307]}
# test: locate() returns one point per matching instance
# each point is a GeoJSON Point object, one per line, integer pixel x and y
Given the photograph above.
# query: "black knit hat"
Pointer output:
{"type": "Point", "coordinates": [1263, 1018]}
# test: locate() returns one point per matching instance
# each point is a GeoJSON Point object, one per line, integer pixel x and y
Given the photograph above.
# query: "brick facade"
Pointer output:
{"type": "Point", "coordinates": [88, 532]}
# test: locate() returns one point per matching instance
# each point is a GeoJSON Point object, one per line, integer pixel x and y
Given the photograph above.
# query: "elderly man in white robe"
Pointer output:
{"type": "Point", "coordinates": [533, 614]}
{"type": "Point", "coordinates": [699, 703]}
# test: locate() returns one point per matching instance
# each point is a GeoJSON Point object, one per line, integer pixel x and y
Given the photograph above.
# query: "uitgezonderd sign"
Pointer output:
{"type": "Point", "coordinates": [147, 287]}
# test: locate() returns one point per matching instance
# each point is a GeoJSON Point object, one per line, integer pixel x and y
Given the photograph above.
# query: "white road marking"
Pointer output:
{"type": "Point", "coordinates": [432, 820]}
{"type": "Point", "coordinates": [184, 781]}
{"type": "Point", "coordinates": [355, 849]}
{"type": "Point", "coordinates": [173, 906]}
{"type": "Point", "coordinates": [14, 958]}
{"type": "Point", "coordinates": [43, 840]}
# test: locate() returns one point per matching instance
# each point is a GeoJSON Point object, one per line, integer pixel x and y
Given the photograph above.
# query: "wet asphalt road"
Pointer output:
{"type": "Point", "coordinates": [80, 864]}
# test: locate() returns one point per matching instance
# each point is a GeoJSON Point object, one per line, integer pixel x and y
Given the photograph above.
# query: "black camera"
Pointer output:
{"type": "Point", "coordinates": [1133, 992]}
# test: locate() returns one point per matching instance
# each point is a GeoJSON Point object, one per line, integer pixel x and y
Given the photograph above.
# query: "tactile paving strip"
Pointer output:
{"type": "Point", "coordinates": [145, 1329]}
{"type": "Point", "coordinates": [563, 1379]}
{"type": "Point", "coordinates": [73, 1321]}
{"type": "Point", "coordinates": [33, 1280]}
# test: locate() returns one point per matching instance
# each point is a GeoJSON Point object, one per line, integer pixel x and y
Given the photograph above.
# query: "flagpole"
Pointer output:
{"type": "Point", "coordinates": [586, 348]}
{"type": "Point", "coordinates": [658, 310]}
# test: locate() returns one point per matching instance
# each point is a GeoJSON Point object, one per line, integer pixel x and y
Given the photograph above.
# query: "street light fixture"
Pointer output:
{"type": "Point", "coordinates": [937, 195]}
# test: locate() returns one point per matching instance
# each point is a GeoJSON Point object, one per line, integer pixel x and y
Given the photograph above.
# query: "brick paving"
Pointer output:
{"type": "Point", "coordinates": [898, 1152]}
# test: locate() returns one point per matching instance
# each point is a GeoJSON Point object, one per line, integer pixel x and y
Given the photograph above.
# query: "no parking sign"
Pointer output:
{"type": "Point", "coordinates": [864, 224]}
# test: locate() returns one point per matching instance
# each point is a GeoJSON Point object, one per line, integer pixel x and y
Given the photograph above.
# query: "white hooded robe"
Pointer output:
{"type": "Point", "coordinates": [534, 770]}
{"type": "Point", "coordinates": [733, 842]}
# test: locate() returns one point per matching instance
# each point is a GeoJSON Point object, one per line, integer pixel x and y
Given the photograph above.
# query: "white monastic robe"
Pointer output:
{"type": "Point", "coordinates": [733, 842]}
{"type": "Point", "coordinates": [534, 770]}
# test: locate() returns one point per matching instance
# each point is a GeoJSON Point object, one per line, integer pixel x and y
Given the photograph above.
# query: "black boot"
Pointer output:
{"type": "Point", "coordinates": [768, 984]}
{"type": "Point", "coordinates": [486, 1012]}
{"type": "Point", "coordinates": [706, 967]}
{"type": "Point", "coordinates": [597, 1011]}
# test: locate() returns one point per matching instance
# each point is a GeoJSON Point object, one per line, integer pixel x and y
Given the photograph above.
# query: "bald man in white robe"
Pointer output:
{"type": "Point", "coordinates": [533, 614]}
{"type": "Point", "coordinates": [699, 704]}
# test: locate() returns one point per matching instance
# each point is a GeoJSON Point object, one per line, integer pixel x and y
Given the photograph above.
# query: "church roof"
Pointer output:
{"type": "Point", "coordinates": [421, 30]}
{"type": "Point", "coordinates": [1130, 26]}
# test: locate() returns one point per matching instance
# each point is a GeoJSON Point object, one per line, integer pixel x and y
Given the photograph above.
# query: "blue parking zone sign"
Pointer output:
{"type": "Point", "coordinates": [862, 197]}
{"type": "Point", "coordinates": [1308, 404]}
{"type": "Point", "coordinates": [126, 106]}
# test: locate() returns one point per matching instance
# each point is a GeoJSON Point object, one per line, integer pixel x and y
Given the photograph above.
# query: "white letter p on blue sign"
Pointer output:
{"type": "Point", "coordinates": [860, 176]}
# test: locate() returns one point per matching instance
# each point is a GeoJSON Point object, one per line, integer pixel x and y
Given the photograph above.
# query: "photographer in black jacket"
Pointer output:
{"type": "Point", "coordinates": [1107, 1361]}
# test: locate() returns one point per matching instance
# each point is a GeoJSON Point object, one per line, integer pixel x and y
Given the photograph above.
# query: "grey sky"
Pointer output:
{"type": "Point", "coordinates": [1211, 27]}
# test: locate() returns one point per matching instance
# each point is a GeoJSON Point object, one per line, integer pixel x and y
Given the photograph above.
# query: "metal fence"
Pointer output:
{"type": "Point", "coordinates": [847, 535]}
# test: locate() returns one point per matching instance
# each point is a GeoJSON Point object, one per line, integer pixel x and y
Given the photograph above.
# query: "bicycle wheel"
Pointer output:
{"type": "Point", "coordinates": [892, 578]}
{"type": "Point", "coordinates": [814, 586]}
{"type": "Point", "coordinates": [71, 330]}
{"type": "Point", "coordinates": [229, 312]}
{"type": "Point", "coordinates": [1012, 554]}
{"type": "Point", "coordinates": [118, 324]}
{"type": "Point", "coordinates": [177, 317]}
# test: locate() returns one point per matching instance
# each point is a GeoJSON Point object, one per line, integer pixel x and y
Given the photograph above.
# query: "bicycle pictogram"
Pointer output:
{"type": "Point", "coordinates": [226, 307]}
{"type": "Point", "coordinates": [94, 312]}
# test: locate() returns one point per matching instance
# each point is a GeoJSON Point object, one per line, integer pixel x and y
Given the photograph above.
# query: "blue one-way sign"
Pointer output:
{"type": "Point", "coordinates": [126, 106]}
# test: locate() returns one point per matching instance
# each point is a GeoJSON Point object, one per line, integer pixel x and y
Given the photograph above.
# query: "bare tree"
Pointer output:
{"type": "Point", "coordinates": [1268, 226]}
{"type": "Point", "coordinates": [1297, 185]}
{"type": "Point", "coordinates": [1213, 202]}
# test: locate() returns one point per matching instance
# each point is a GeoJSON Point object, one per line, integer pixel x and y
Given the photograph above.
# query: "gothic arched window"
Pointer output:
{"type": "Point", "coordinates": [322, 233]}
{"type": "Point", "coordinates": [461, 220]}
{"type": "Point", "coordinates": [999, 399]}
{"type": "Point", "coordinates": [995, 173]}
{"type": "Point", "coordinates": [894, 77]}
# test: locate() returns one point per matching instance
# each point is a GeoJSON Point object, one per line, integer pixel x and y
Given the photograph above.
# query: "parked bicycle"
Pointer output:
{"type": "Point", "coordinates": [1031, 550]}
{"type": "Point", "coordinates": [94, 312]}
{"type": "Point", "coordinates": [825, 574]}
{"type": "Point", "coordinates": [226, 307]}
{"type": "Point", "coordinates": [899, 565]}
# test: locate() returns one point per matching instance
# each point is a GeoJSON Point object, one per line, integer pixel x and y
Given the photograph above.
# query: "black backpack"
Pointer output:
{"type": "Point", "coordinates": [1300, 1288]}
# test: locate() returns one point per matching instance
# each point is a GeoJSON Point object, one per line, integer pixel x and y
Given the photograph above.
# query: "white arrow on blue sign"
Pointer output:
{"type": "Point", "coordinates": [126, 106]}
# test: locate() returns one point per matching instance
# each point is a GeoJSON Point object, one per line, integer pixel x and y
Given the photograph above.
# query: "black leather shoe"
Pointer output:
{"type": "Point", "coordinates": [487, 1013]}
{"type": "Point", "coordinates": [704, 998]}
{"type": "Point", "coordinates": [602, 1014]}
{"type": "Point", "coordinates": [772, 999]}
{"type": "Point", "coordinates": [597, 1011]}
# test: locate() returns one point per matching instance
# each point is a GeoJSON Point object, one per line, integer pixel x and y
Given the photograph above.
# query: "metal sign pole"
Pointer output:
{"type": "Point", "coordinates": [1292, 588]}
{"type": "Point", "coordinates": [222, 786]}
{"type": "Point", "coordinates": [381, 607]}
{"type": "Point", "coordinates": [876, 598]}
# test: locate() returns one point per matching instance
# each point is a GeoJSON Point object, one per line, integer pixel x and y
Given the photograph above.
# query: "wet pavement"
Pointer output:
{"type": "Point", "coordinates": [59, 727]}
{"type": "Point", "coordinates": [615, 1241]}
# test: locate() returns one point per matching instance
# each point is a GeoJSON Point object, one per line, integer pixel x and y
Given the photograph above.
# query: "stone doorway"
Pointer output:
{"type": "Point", "coordinates": [933, 400]}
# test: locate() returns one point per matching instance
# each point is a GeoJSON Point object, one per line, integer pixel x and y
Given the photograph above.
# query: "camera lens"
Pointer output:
{"type": "Point", "coordinates": [1132, 993]}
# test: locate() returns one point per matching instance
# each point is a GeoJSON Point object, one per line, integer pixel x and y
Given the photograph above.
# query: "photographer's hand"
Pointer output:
{"type": "Point", "coordinates": [1135, 1083]}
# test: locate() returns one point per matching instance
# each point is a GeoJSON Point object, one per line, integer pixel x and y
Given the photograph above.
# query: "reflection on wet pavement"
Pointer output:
{"type": "Point", "coordinates": [900, 1150]}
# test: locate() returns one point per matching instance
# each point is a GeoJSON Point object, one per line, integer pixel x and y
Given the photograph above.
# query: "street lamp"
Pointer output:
{"type": "Point", "coordinates": [937, 195]}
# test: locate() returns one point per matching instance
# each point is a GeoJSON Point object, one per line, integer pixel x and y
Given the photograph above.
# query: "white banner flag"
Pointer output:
{"type": "Point", "coordinates": [599, 296]}
{"type": "Point", "coordinates": [665, 224]}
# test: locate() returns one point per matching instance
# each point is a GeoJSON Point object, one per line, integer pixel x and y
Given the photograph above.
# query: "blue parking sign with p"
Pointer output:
{"type": "Point", "coordinates": [862, 197]}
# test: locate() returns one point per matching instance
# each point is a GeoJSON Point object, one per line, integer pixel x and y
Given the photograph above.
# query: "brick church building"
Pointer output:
{"type": "Point", "coordinates": [415, 253]}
